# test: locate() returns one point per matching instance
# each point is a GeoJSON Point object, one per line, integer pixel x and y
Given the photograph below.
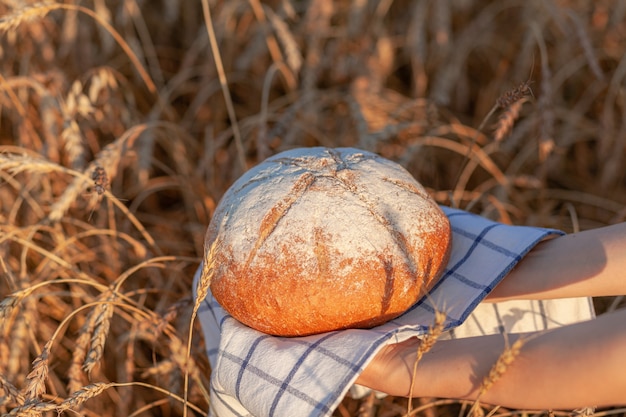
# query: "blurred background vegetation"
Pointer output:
{"type": "Point", "coordinates": [117, 140]}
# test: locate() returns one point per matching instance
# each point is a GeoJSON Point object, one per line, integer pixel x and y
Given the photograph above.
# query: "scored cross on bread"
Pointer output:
{"type": "Point", "coordinates": [318, 239]}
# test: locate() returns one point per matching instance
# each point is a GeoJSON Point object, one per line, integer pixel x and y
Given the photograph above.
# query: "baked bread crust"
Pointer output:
{"type": "Point", "coordinates": [319, 239]}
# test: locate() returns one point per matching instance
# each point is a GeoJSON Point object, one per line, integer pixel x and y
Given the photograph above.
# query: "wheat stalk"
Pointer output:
{"type": "Point", "coordinates": [505, 101]}
{"type": "Point", "coordinates": [103, 313]}
{"type": "Point", "coordinates": [10, 390]}
{"type": "Point", "coordinates": [417, 44]}
{"type": "Point", "coordinates": [224, 84]}
{"type": "Point", "coordinates": [36, 379]}
{"type": "Point", "coordinates": [165, 367]}
{"type": "Point", "coordinates": [585, 43]}
{"type": "Point", "coordinates": [75, 103]}
{"type": "Point", "coordinates": [290, 66]}
{"type": "Point", "coordinates": [83, 278]}
{"type": "Point", "coordinates": [317, 22]}
{"type": "Point", "coordinates": [507, 119]}
{"type": "Point", "coordinates": [169, 316]}
{"type": "Point", "coordinates": [79, 397]}
{"type": "Point", "coordinates": [8, 305]}
{"type": "Point", "coordinates": [75, 373]}
{"type": "Point", "coordinates": [108, 159]}
{"type": "Point", "coordinates": [17, 164]}
{"type": "Point", "coordinates": [14, 99]}
{"type": "Point", "coordinates": [426, 345]}
{"type": "Point", "coordinates": [147, 45]}
{"type": "Point", "coordinates": [35, 408]}
{"type": "Point", "coordinates": [442, 25]}
{"type": "Point", "coordinates": [546, 115]}
{"type": "Point", "coordinates": [90, 337]}
{"type": "Point", "coordinates": [504, 361]}
{"type": "Point", "coordinates": [26, 14]}
{"type": "Point", "coordinates": [499, 368]}
{"type": "Point", "coordinates": [202, 290]}
{"type": "Point", "coordinates": [40, 10]}
{"type": "Point", "coordinates": [514, 95]}
{"type": "Point", "coordinates": [32, 408]}
{"type": "Point", "coordinates": [293, 56]}
{"type": "Point", "coordinates": [182, 360]}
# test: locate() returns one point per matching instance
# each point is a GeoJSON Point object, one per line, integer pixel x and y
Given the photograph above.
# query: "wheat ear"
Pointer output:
{"type": "Point", "coordinates": [82, 395]}
{"type": "Point", "coordinates": [36, 379]}
{"type": "Point", "coordinates": [427, 343]}
{"type": "Point", "coordinates": [103, 313]}
{"type": "Point", "coordinates": [40, 10]}
{"type": "Point", "coordinates": [503, 102]}
{"type": "Point", "coordinates": [10, 390]}
{"type": "Point", "coordinates": [202, 290]}
{"type": "Point", "coordinates": [498, 369]}
{"type": "Point", "coordinates": [507, 119]}
{"type": "Point", "coordinates": [11, 302]}
{"type": "Point", "coordinates": [32, 408]}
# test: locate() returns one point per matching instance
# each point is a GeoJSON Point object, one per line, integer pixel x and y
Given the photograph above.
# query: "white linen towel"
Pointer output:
{"type": "Point", "coordinates": [254, 374]}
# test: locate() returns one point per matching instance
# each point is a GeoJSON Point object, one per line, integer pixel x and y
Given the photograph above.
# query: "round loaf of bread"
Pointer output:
{"type": "Point", "coordinates": [319, 239]}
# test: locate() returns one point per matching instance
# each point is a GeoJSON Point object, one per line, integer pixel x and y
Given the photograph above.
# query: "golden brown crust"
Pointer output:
{"type": "Point", "coordinates": [321, 239]}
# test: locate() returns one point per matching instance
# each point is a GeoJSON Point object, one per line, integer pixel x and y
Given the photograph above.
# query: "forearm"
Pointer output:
{"type": "Point", "coordinates": [573, 366]}
{"type": "Point", "coordinates": [589, 263]}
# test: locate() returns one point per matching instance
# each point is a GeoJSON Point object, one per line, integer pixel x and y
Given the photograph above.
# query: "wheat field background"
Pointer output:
{"type": "Point", "coordinates": [123, 122]}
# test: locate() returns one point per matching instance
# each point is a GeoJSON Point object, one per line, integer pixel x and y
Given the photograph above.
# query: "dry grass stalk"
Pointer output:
{"type": "Point", "coordinates": [426, 345]}
{"type": "Point", "coordinates": [224, 84]}
{"type": "Point", "coordinates": [442, 24]}
{"type": "Point", "coordinates": [363, 130]}
{"type": "Point", "coordinates": [416, 42]}
{"type": "Point", "coordinates": [585, 43]}
{"type": "Point", "coordinates": [545, 106]}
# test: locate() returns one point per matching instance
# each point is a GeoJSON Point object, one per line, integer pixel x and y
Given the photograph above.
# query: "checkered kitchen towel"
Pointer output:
{"type": "Point", "coordinates": [261, 375]}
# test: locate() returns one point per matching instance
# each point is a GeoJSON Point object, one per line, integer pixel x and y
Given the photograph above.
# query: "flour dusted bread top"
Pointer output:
{"type": "Point", "coordinates": [318, 239]}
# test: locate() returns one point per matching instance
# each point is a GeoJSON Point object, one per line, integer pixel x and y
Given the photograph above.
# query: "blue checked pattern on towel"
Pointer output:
{"type": "Point", "coordinates": [254, 374]}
